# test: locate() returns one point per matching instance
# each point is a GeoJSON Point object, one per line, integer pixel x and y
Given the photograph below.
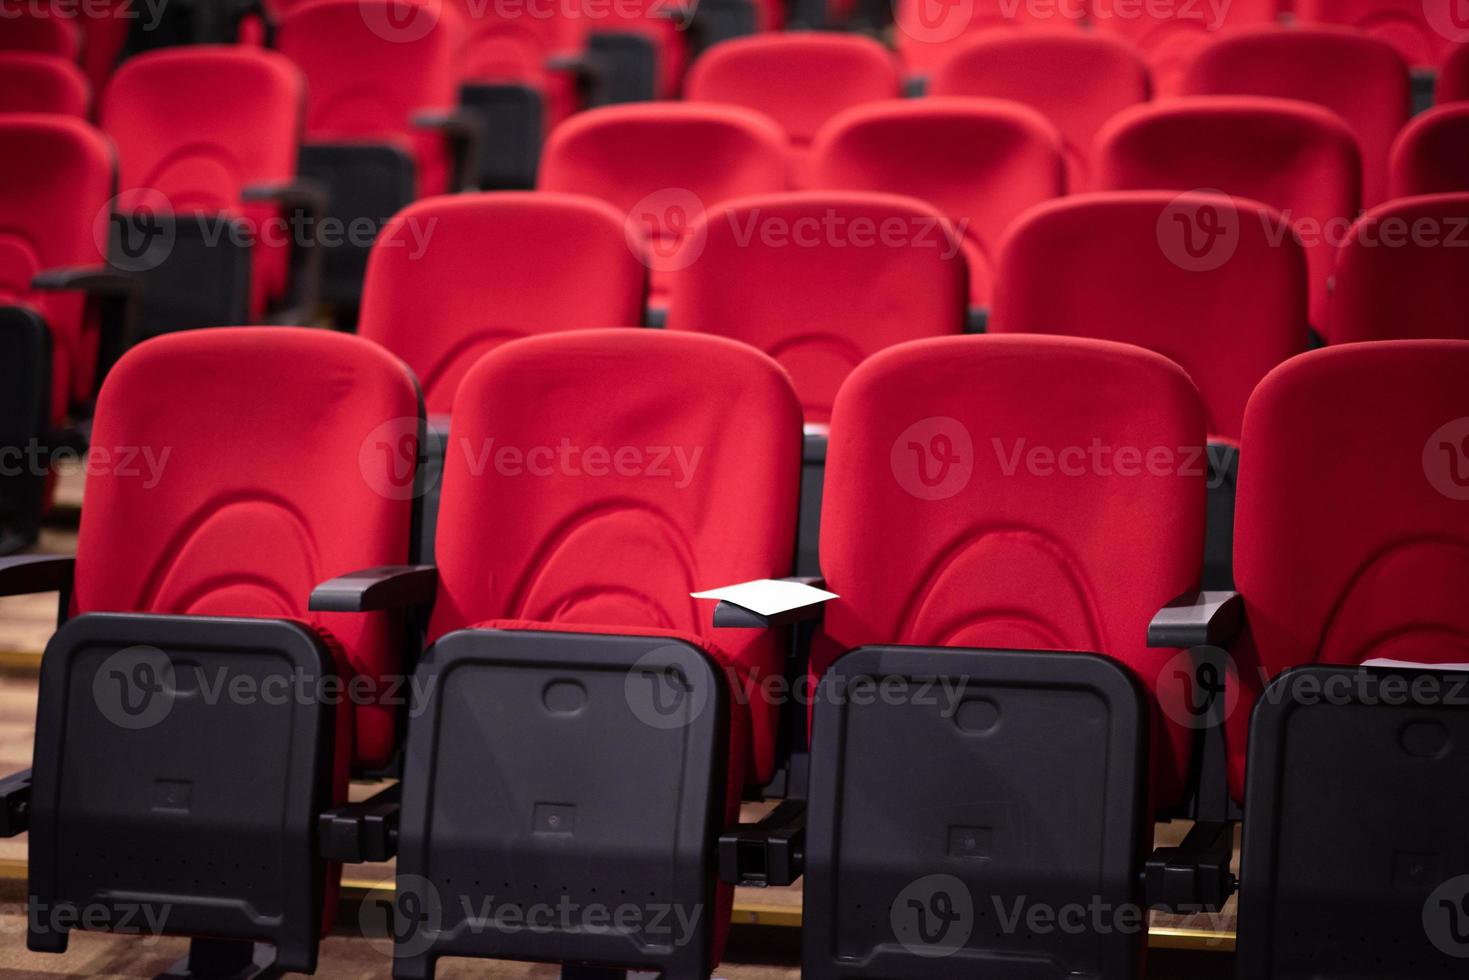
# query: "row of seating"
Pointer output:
{"type": "Point", "coordinates": [276, 526]}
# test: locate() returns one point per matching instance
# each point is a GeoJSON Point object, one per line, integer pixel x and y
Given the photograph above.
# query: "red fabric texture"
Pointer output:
{"type": "Point", "coordinates": [28, 28]}
{"type": "Point", "coordinates": [779, 272]}
{"type": "Point", "coordinates": [370, 66]}
{"type": "Point", "coordinates": [37, 82]}
{"type": "Point", "coordinates": [800, 80]}
{"type": "Point", "coordinates": [540, 521]}
{"type": "Point", "coordinates": [195, 125]}
{"type": "Point", "coordinates": [985, 544]}
{"type": "Point", "coordinates": [1328, 585]}
{"type": "Point", "coordinates": [1170, 36]}
{"type": "Point", "coordinates": [1298, 158]}
{"type": "Point", "coordinates": [1453, 77]}
{"type": "Point", "coordinates": [1077, 81]}
{"type": "Point", "coordinates": [929, 33]}
{"type": "Point", "coordinates": [56, 179]}
{"type": "Point", "coordinates": [506, 45]}
{"type": "Point", "coordinates": [1405, 24]}
{"type": "Point", "coordinates": [662, 165]}
{"type": "Point", "coordinates": [273, 481]}
{"type": "Point", "coordinates": [982, 162]}
{"type": "Point", "coordinates": [739, 735]}
{"type": "Point", "coordinates": [1119, 267]}
{"type": "Point", "coordinates": [1430, 153]}
{"type": "Point", "coordinates": [1403, 273]}
{"type": "Point", "coordinates": [428, 298]}
{"type": "Point", "coordinates": [1360, 78]}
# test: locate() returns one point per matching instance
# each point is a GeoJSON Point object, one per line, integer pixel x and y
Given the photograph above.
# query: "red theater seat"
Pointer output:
{"type": "Point", "coordinates": [31, 28]}
{"type": "Point", "coordinates": [664, 165]}
{"type": "Point", "coordinates": [1077, 81]}
{"type": "Point", "coordinates": [31, 82]}
{"type": "Point", "coordinates": [778, 272]}
{"type": "Point", "coordinates": [1422, 31]}
{"type": "Point", "coordinates": [1170, 36]}
{"type": "Point", "coordinates": [1431, 155]}
{"type": "Point", "coordinates": [1199, 278]}
{"type": "Point", "coordinates": [1403, 273]}
{"type": "Point", "coordinates": [507, 44]}
{"type": "Point", "coordinates": [1453, 77]}
{"type": "Point", "coordinates": [56, 181]}
{"type": "Point", "coordinates": [1297, 158]}
{"type": "Point", "coordinates": [1360, 78]}
{"type": "Point", "coordinates": [981, 162]}
{"type": "Point", "coordinates": [800, 80]}
{"type": "Point", "coordinates": [197, 126]}
{"type": "Point", "coordinates": [451, 278]}
{"type": "Point", "coordinates": [928, 32]}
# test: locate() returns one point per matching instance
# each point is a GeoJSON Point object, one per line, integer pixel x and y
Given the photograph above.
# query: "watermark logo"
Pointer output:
{"type": "Point", "coordinates": [933, 21]}
{"type": "Point", "coordinates": [1446, 917]}
{"type": "Point", "coordinates": [933, 459]}
{"type": "Point", "coordinates": [1198, 690]}
{"type": "Point", "coordinates": [934, 917]}
{"type": "Point", "coordinates": [407, 920]}
{"type": "Point", "coordinates": [665, 230]}
{"type": "Point", "coordinates": [136, 230]}
{"type": "Point", "coordinates": [134, 687]}
{"type": "Point", "coordinates": [1446, 459]}
{"type": "Point", "coordinates": [660, 696]}
{"type": "Point", "coordinates": [1449, 18]}
{"type": "Point", "coordinates": [1198, 235]}
{"type": "Point", "coordinates": [388, 459]}
{"type": "Point", "coordinates": [401, 21]}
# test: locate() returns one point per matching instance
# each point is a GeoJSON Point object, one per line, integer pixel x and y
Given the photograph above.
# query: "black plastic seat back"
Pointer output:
{"type": "Point", "coordinates": [25, 400]}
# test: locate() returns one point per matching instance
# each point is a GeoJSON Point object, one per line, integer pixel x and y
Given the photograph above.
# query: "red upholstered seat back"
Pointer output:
{"type": "Point", "coordinates": [1403, 273]}
{"type": "Point", "coordinates": [56, 179]}
{"type": "Point", "coordinates": [598, 477]}
{"type": "Point", "coordinates": [1383, 431]}
{"type": "Point", "coordinates": [1002, 526]}
{"type": "Point", "coordinates": [800, 80]}
{"type": "Point", "coordinates": [32, 27]}
{"type": "Point", "coordinates": [1422, 30]}
{"type": "Point", "coordinates": [1361, 79]}
{"type": "Point", "coordinates": [1298, 158]}
{"type": "Point", "coordinates": [38, 82]}
{"type": "Point", "coordinates": [1453, 77]}
{"type": "Point", "coordinates": [196, 124]}
{"type": "Point", "coordinates": [820, 281]}
{"type": "Point", "coordinates": [1170, 36]}
{"type": "Point", "coordinates": [1431, 155]}
{"type": "Point", "coordinates": [234, 469]}
{"type": "Point", "coordinates": [452, 277]}
{"type": "Point", "coordinates": [1077, 81]}
{"type": "Point", "coordinates": [982, 162]}
{"type": "Point", "coordinates": [1199, 278]}
{"type": "Point", "coordinates": [928, 32]}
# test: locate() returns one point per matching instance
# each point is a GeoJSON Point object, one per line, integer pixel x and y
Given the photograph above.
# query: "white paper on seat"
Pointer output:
{"type": "Point", "coordinates": [768, 596]}
{"type": "Point", "coordinates": [1413, 665]}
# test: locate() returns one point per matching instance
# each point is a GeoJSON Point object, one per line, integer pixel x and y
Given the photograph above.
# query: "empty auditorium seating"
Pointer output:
{"type": "Point", "coordinates": [1003, 541]}
{"type": "Point", "coordinates": [663, 165]}
{"type": "Point", "coordinates": [210, 136]}
{"type": "Point", "coordinates": [1360, 78]}
{"type": "Point", "coordinates": [626, 469]}
{"type": "Point", "coordinates": [1453, 77]}
{"type": "Point", "coordinates": [982, 162]}
{"type": "Point", "coordinates": [1170, 36]}
{"type": "Point", "coordinates": [928, 32]}
{"type": "Point", "coordinates": [1403, 273]}
{"type": "Point", "coordinates": [380, 126]}
{"type": "Point", "coordinates": [36, 28]}
{"type": "Point", "coordinates": [1077, 81]}
{"type": "Point", "coordinates": [800, 80]}
{"type": "Point", "coordinates": [1298, 158]}
{"type": "Point", "coordinates": [1422, 31]}
{"type": "Point", "coordinates": [190, 678]}
{"type": "Point", "coordinates": [1431, 155]}
{"type": "Point", "coordinates": [450, 278]}
{"type": "Point", "coordinates": [32, 82]}
{"type": "Point", "coordinates": [1345, 763]}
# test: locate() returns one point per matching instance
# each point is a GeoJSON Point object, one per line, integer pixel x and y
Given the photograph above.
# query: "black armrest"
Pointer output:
{"type": "Point", "coordinates": [728, 615]}
{"type": "Point", "coordinates": [99, 280]}
{"type": "Point", "coordinates": [771, 852]}
{"type": "Point", "coordinates": [462, 132]}
{"type": "Point", "coordinates": [29, 574]}
{"type": "Point", "coordinates": [303, 278]}
{"type": "Point", "coordinates": [1198, 619]}
{"type": "Point", "coordinates": [573, 63]}
{"type": "Point", "coordinates": [361, 832]}
{"type": "Point", "coordinates": [293, 194]}
{"type": "Point", "coordinates": [374, 589]}
{"type": "Point", "coordinates": [15, 804]}
{"type": "Point", "coordinates": [1195, 876]}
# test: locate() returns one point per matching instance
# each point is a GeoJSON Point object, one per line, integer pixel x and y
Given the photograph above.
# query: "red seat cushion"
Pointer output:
{"type": "Point", "coordinates": [598, 477]}
{"type": "Point", "coordinates": [1327, 579]}
{"type": "Point", "coordinates": [39, 82]}
{"type": "Point", "coordinates": [1001, 525]}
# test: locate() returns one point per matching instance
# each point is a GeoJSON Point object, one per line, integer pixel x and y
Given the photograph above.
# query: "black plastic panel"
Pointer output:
{"type": "Point", "coordinates": [512, 120]}
{"type": "Point", "coordinates": [552, 775]}
{"type": "Point", "coordinates": [25, 408]}
{"type": "Point", "coordinates": [166, 798]}
{"type": "Point", "coordinates": [950, 815]}
{"type": "Point", "coordinates": [194, 270]}
{"type": "Point", "coordinates": [808, 532]}
{"type": "Point", "coordinates": [624, 68]}
{"type": "Point", "coordinates": [1219, 517]}
{"type": "Point", "coordinates": [1356, 851]}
